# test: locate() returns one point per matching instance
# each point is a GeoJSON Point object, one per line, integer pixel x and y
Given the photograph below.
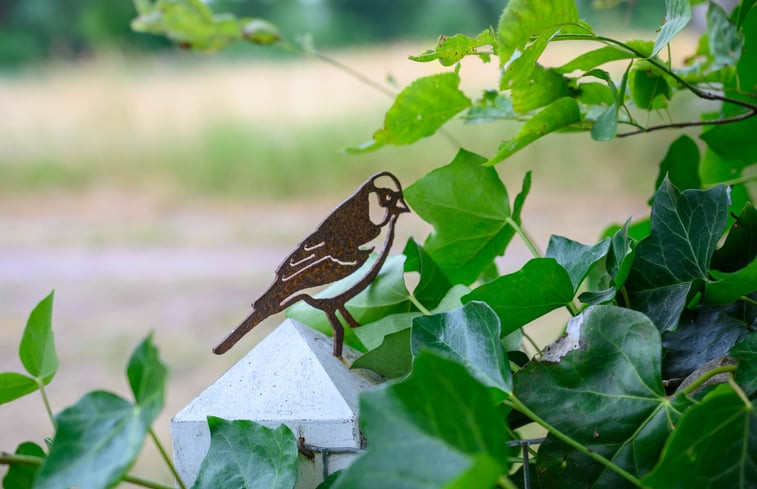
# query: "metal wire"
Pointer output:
{"type": "Point", "coordinates": [524, 444]}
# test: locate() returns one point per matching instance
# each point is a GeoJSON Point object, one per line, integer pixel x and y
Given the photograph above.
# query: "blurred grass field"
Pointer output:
{"type": "Point", "coordinates": [160, 193]}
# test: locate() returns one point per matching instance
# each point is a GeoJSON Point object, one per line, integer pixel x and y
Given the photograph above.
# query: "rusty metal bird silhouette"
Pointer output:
{"type": "Point", "coordinates": [332, 252]}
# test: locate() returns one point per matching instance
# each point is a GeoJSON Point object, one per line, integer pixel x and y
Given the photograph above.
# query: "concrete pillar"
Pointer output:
{"type": "Point", "coordinates": [290, 377]}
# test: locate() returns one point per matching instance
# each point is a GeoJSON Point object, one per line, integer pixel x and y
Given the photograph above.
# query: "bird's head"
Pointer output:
{"type": "Point", "coordinates": [388, 193]}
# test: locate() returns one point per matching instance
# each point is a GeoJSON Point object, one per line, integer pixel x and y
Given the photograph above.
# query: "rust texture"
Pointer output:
{"type": "Point", "coordinates": [332, 252]}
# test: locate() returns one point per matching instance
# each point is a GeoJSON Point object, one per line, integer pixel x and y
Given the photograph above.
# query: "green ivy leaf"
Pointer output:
{"type": "Point", "coordinates": [469, 208]}
{"type": "Point", "coordinates": [96, 441]}
{"type": "Point", "coordinates": [746, 372]}
{"type": "Point", "coordinates": [450, 50]}
{"type": "Point", "coordinates": [147, 378]}
{"type": "Point", "coordinates": [703, 334]}
{"type": "Point", "coordinates": [681, 165]}
{"type": "Point", "coordinates": [14, 385]}
{"type": "Point", "coordinates": [470, 336]}
{"type": "Point", "coordinates": [392, 358]}
{"type": "Point", "coordinates": [433, 284]}
{"type": "Point", "coordinates": [649, 88]}
{"type": "Point", "coordinates": [678, 14]}
{"type": "Point", "coordinates": [523, 19]}
{"type": "Point", "coordinates": [441, 410]}
{"type": "Point", "coordinates": [542, 285]}
{"type": "Point", "coordinates": [576, 258]}
{"type": "Point", "coordinates": [557, 115]}
{"type": "Point", "coordinates": [542, 87]}
{"type": "Point", "coordinates": [740, 247]}
{"type": "Point", "coordinates": [385, 296]}
{"type": "Point", "coordinates": [37, 348]}
{"type": "Point", "coordinates": [246, 454]}
{"type": "Point", "coordinates": [713, 446]}
{"type": "Point", "coordinates": [729, 287]}
{"type": "Point", "coordinates": [619, 410]}
{"type": "Point", "coordinates": [685, 227]}
{"type": "Point", "coordinates": [419, 111]}
{"type": "Point", "coordinates": [22, 476]}
{"type": "Point", "coordinates": [724, 39]}
{"type": "Point", "coordinates": [592, 59]}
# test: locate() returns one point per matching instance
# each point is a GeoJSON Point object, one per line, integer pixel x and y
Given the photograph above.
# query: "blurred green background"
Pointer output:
{"type": "Point", "coordinates": [157, 189]}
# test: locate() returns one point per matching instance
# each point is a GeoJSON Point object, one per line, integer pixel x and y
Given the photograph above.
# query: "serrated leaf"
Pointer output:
{"type": "Point", "coordinates": [419, 110]}
{"type": "Point", "coordinates": [685, 228]}
{"type": "Point", "coordinates": [246, 454]}
{"type": "Point", "coordinates": [37, 348]}
{"type": "Point", "coordinates": [386, 295]}
{"type": "Point", "coordinates": [678, 14]}
{"type": "Point", "coordinates": [542, 285]}
{"type": "Point", "coordinates": [470, 336]}
{"type": "Point", "coordinates": [592, 59]}
{"type": "Point", "coordinates": [542, 87]}
{"type": "Point", "coordinates": [681, 165]}
{"type": "Point", "coordinates": [147, 378]}
{"type": "Point", "coordinates": [469, 208]}
{"type": "Point", "coordinates": [557, 115]}
{"type": "Point", "coordinates": [451, 49]}
{"type": "Point", "coordinates": [576, 258]}
{"type": "Point", "coordinates": [745, 353]}
{"type": "Point", "coordinates": [96, 441]}
{"type": "Point", "coordinates": [523, 19]}
{"type": "Point", "coordinates": [441, 410]}
{"type": "Point", "coordinates": [22, 476]}
{"type": "Point", "coordinates": [619, 411]}
{"type": "Point", "coordinates": [713, 446]}
{"type": "Point", "coordinates": [703, 334]}
{"type": "Point", "coordinates": [392, 358]}
{"type": "Point", "coordinates": [14, 385]}
{"type": "Point", "coordinates": [433, 284]}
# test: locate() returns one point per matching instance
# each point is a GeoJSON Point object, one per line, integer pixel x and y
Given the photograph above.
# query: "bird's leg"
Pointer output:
{"type": "Point", "coordinates": [338, 329]}
{"type": "Point", "coordinates": [348, 317]}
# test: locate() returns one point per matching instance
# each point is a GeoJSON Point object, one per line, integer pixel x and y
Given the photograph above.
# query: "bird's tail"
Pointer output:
{"type": "Point", "coordinates": [255, 317]}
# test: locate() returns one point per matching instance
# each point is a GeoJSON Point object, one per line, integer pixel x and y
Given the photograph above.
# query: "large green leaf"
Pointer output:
{"type": "Point", "coordinates": [14, 385]}
{"type": "Point", "coordinates": [22, 476]}
{"type": "Point", "coordinates": [557, 115]}
{"type": "Point", "coordinates": [244, 454]}
{"type": "Point", "coordinates": [37, 348]}
{"type": "Point", "coordinates": [592, 59]}
{"type": "Point", "coordinates": [147, 379]}
{"type": "Point", "coordinates": [703, 334]}
{"type": "Point", "coordinates": [419, 111]}
{"type": "Point", "coordinates": [433, 284]}
{"type": "Point", "coordinates": [618, 410]}
{"type": "Point", "coordinates": [470, 336]}
{"type": "Point", "coordinates": [576, 258]}
{"type": "Point", "coordinates": [520, 297]}
{"type": "Point", "coordinates": [685, 228]}
{"type": "Point", "coordinates": [469, 208]}
{"type": "Point", "coordinates": [386, 295]}
{"type": "Point", "coordinates": [713, 446]}
{"type": "Point", "coordinates": [96, 442]}
{"type": "Point", "coordinates": [437, 428]}
{"type": "Point", "coordinates": [746, 354]}
{"type": "Point", "coordinates": [678, 14]}
{"type": "Point", "coordinates": [681, 165]}
{"type": "Point", "coordinates": [523, 19]}
{"type": "Point", "coordinates": [192, 24]}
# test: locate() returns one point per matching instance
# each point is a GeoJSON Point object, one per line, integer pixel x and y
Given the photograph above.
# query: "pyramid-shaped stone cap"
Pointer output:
{"type": "Point", "coordinates": [290, 377]}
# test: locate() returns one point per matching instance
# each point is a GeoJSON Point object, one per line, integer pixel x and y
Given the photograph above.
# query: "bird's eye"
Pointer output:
{"type": "Point", "coordinates": [388, 197]}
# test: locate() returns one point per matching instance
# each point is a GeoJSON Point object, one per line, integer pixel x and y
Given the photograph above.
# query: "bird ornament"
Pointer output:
{"type": "Point", "coordinates": [336, 249]}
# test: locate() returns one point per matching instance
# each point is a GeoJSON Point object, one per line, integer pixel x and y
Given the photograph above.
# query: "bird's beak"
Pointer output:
{"type": "Point", "coordinates": [402, 206]}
